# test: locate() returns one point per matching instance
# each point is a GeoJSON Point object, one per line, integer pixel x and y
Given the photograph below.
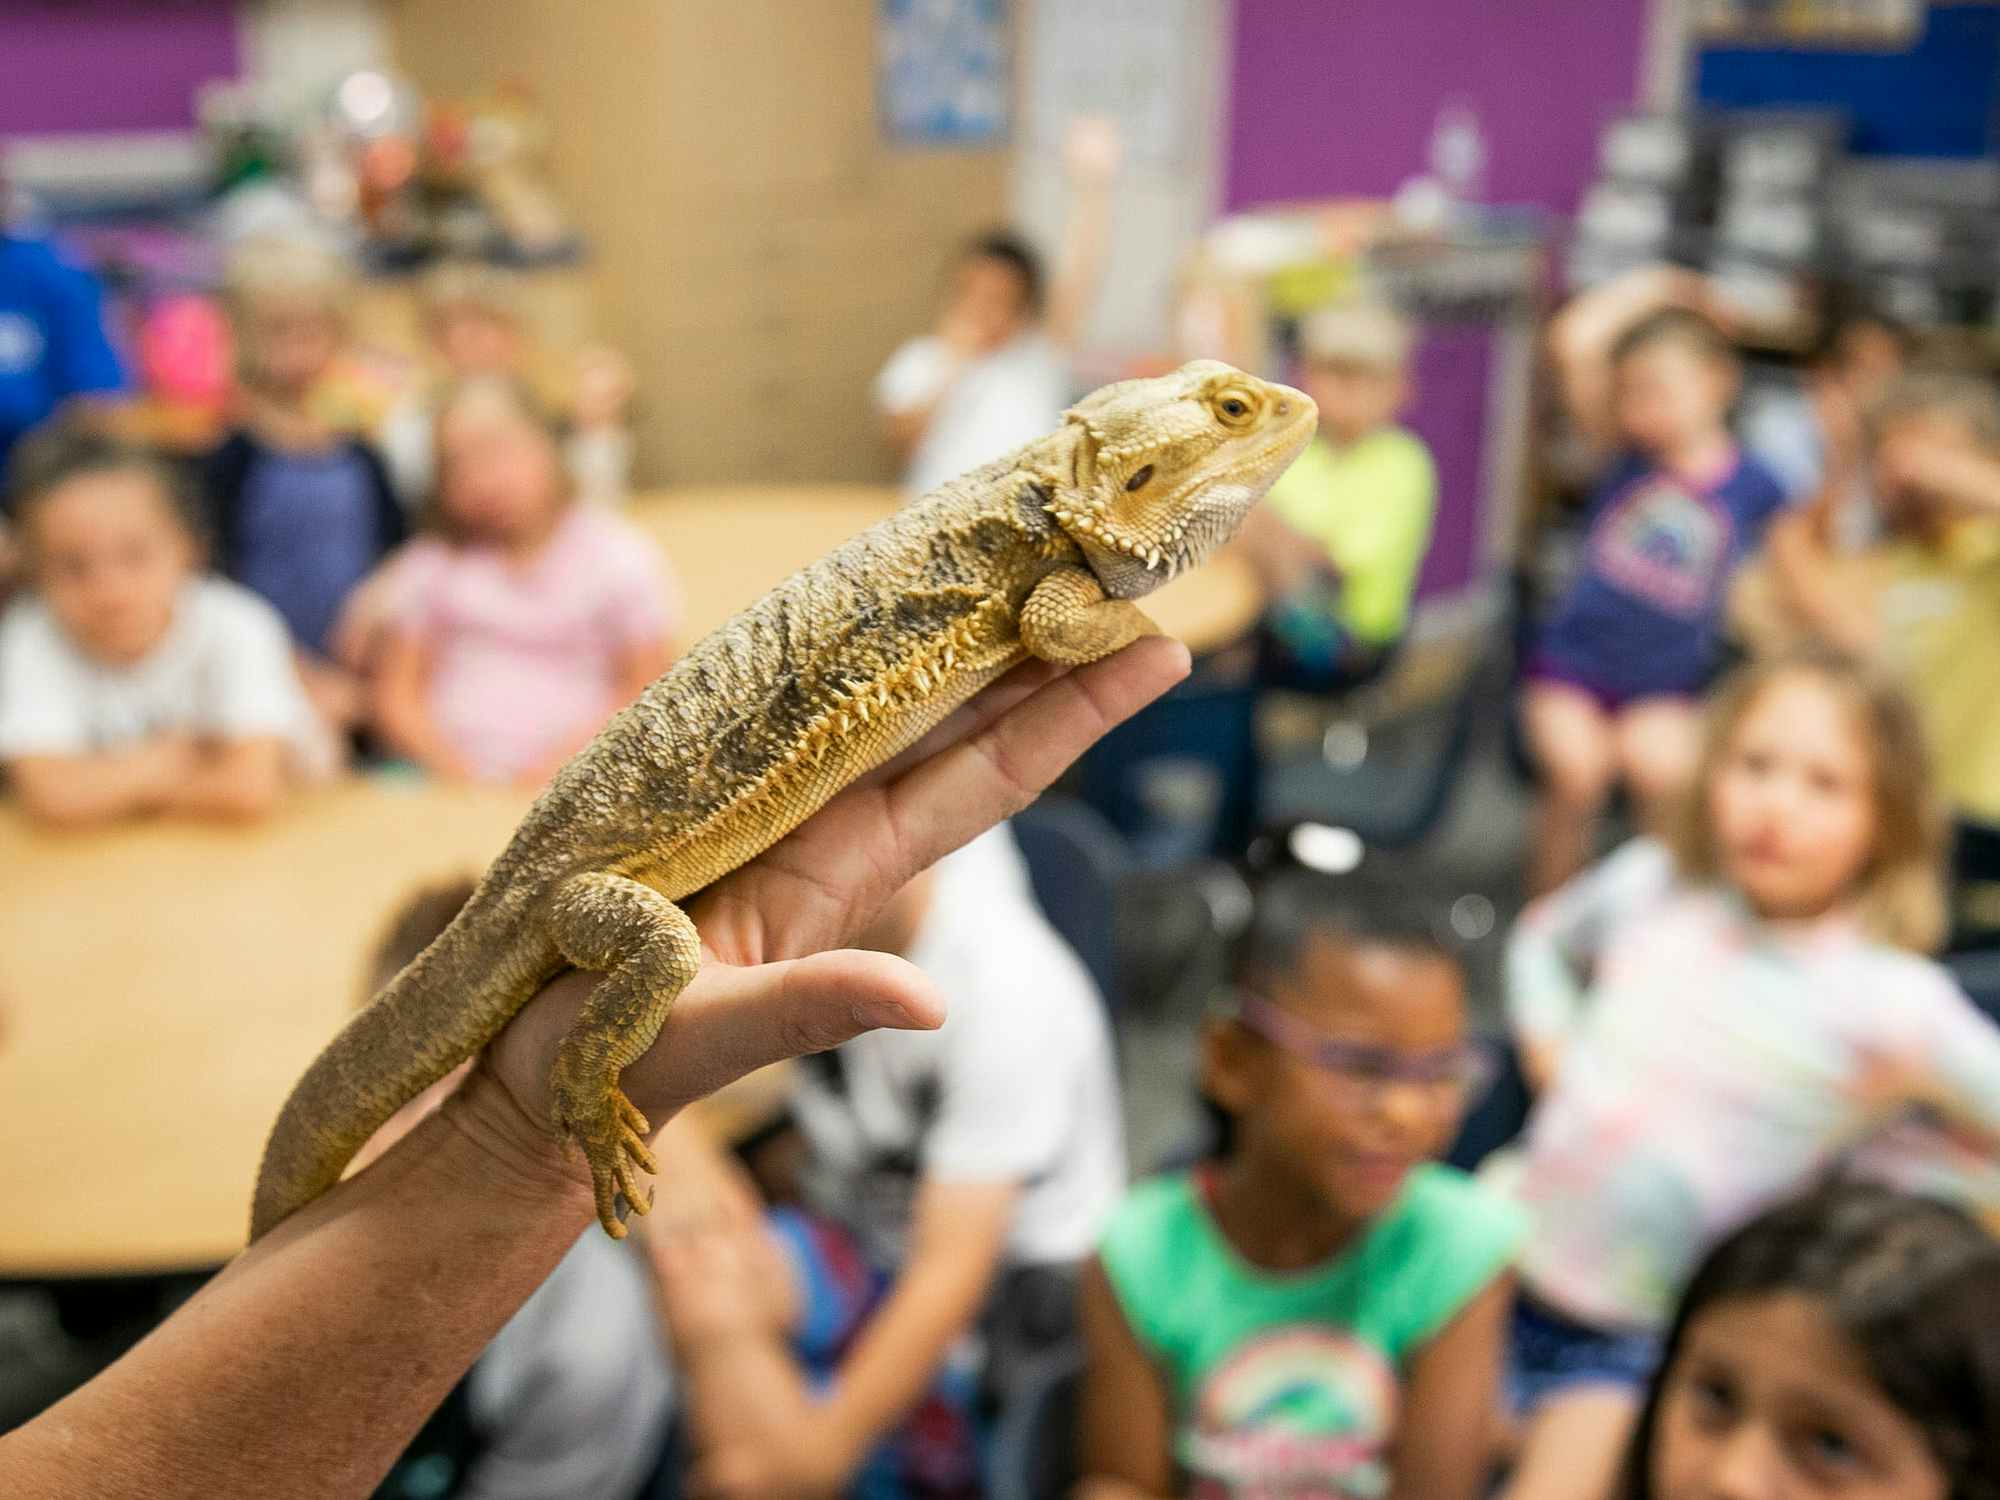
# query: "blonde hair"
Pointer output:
{"type": "Point", "coordinates": [1364, 333]}
{"type": "Point", "coordinates": [484, 289]}
{"type": "Point", "coordinates": [505, 392]}
{"type": "Point", "coordinates": [1930, 393]}
{"type": "Point", "coordinates": [272, 268]}
{"type": "Point", "coordinates": [1901, 891]}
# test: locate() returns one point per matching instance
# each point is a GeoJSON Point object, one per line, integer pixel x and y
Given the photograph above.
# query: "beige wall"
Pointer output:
{"type": "Point", "coordinates": [757, 249]}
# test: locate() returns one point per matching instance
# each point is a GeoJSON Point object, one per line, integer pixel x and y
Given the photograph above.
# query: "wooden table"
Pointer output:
{"type": "Point", "coordinates": [730, 543]}
{"type": "Point", "coordinates": [163, 987]}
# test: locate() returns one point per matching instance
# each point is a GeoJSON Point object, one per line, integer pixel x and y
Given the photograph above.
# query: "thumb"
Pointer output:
{"type": "Point", "coordinates": [735, 1019]}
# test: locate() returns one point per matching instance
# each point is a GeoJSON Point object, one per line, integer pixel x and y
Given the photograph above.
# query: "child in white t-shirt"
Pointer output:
{"type": "Point", "coordinates": [129, 682]}
{"type": "Point", "coordinates": [995, 374]}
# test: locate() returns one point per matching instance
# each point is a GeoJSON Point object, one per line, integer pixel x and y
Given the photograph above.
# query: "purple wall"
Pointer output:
{"type": "Point", "coordinates": [1339, 96]}
{"type": "Point", "coordinates": [1452, 369]}
{"type": "Point", "coordinates": [110, 64]}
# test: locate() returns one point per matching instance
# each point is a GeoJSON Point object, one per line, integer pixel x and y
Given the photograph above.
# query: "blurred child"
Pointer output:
{"type": "Point", "coordinates": [129, 682]}
{"type": "Point", "coordinates": [1614, 676]}
{"type": "Point", "coordinates": [526, 620]}
{"type": "Point", "coordinates": [303, 507]}
{"type": "Point", "coordinates": [1841, 1345]}
{"type": "Point", "coordinates": [994, 374]}
{"type": "Point", "coordinates": [1323, 1310]}
{"type": "Point", "coordinates": [1346, 527]}
{"type": "Point", "coordinates": [472, 316]}
{"type": "Point", "coordinates": [573, 1395]}
{"type": "Point", "coordinates": [1810, 438]}
{"type": "Point", "coordinates": [1925, 599]}
{"type": "Point", "coordinates": [1711, 1025]}
{"type": "Point", "coordinates": [955, 1178]}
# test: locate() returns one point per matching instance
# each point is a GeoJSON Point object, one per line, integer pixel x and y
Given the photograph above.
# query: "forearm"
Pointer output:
{"type": "Point", "coordinates": [234, 781]}
{"type": "Point", "coordinates": [898, 1355]}
{"type": "Point", "coordinates": [744, 1392]}
{"type": "Point", "coordinates": [405, 724]}
{"type": "Point", "coordinates": [309, 1363]}
{"type": "Point", "coordinates": [76, 790]}
{"type": "Point", "coordinates": [1080, 262]}
{"type": "Point", "coordinates": [1802, 571]}
{"type": "Point", "coordinates": [905, 429]}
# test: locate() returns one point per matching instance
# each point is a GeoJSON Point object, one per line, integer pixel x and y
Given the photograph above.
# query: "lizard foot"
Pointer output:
{"type": "Point", "coordinates": [612, 1133]}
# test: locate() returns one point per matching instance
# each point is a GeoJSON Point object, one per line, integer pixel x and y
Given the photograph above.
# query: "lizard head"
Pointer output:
{"type": "Point", "coordinates": [1160, 472]}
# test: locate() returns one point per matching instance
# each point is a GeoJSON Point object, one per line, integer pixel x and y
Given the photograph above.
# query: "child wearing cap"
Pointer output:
{"type": "Point", "coordinates": [1339, 544]}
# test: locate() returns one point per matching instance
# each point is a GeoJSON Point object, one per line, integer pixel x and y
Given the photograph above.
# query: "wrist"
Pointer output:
{"type": "Point", "coordinates": [509, 1148]}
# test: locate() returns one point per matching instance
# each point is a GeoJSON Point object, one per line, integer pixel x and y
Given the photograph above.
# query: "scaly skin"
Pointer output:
{"type": "Point", "coordinates": [840, 667]}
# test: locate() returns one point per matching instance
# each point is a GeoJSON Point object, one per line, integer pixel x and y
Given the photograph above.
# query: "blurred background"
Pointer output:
{"type": "Point", "coordinates": [726, 262]}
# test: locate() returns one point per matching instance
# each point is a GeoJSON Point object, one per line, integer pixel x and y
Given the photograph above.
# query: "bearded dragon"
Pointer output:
{"type": "Point", "coordinates": [836, 670]}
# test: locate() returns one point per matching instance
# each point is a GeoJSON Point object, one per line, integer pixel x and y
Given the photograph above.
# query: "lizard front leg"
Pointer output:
{"type": "Point", "coordinates": [1069, 619]}
{"type": "Point", "coordinates": [647, 950]}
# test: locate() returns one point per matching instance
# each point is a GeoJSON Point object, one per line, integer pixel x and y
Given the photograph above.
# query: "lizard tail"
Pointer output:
{"type": "Point", "coordinates": [451, 1000]}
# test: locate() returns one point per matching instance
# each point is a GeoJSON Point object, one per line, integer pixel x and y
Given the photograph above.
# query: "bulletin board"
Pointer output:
{"type": "Point", "coordinates": [1932, 94]}
{"type": "Point", "coordinates": [944, 71]}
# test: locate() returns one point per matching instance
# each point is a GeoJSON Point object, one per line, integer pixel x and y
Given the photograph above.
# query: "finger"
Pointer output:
{"type": "Point", "coordinates": [734, 1020]}
{"type": "Point", "coordinates": [958, 794]}
{"type": "Point", "coordinates": [970, 718]}
{"type": "Point", "coordinates": [818, 887]}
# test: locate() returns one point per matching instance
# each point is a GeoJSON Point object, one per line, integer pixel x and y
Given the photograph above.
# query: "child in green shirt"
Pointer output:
{"type": "Point", "coordinates": [1340, 540]}
{"type": "Point", "coordinates": [1320, 1312]}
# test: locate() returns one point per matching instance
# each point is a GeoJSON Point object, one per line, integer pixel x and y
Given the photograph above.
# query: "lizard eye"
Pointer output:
{"type": "Point", "coordinates": [1139, 479]}
{"type": "Point", "coordinates": [1233, 408]}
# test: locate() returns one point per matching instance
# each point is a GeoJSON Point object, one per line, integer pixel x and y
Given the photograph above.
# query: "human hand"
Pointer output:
{"type": "Point", "coordinates": [1938, 467]}
{"type": "Point", "coordinates": [164, 764]}
{"type": "Point", "coordinates": [767, 989]}
{"type": "Point", "coordinates": [604, 385]}
{"type": "Point", "coordinates": [1092, 149]}
{"type": "Point", "coordinates": [964, 333]}
{"type": "Point", "coordinates": [1840, 422]}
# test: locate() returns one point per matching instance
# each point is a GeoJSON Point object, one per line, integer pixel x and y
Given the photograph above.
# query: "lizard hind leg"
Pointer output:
{"type": "Point", "coordinates": [647, 950]}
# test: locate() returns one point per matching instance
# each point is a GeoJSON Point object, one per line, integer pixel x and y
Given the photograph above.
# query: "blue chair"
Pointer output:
{"type": "Point", "coordinates": [1392, 801]}
{"type": "Point", "coordinates": [1076, 862]}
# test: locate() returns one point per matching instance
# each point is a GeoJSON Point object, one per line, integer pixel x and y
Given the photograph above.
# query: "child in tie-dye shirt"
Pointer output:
{"type": "Point", "coordinates": [1710, 1027]}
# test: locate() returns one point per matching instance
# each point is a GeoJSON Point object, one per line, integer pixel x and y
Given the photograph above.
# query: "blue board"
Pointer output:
{"type": "Point", "coordinates": [1937, 99]}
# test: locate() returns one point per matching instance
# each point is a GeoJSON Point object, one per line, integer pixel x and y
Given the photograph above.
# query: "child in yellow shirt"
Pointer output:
{"type": "Point", "coordinates": [1339, 544]}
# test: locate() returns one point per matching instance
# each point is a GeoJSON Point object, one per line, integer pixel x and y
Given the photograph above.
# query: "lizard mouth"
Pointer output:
{"type": "Point", "coordinates": [1131, 564]}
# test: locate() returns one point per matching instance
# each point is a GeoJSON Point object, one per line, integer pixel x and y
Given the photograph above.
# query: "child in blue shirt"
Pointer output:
{"type": "Point", "coordinates": [1616, 673]}
{"type": "Point", "coordinates": [304, 508]}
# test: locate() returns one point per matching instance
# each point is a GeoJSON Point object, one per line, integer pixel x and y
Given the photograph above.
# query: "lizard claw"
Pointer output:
{"type": "Point", "coordinates": [612, 1133]}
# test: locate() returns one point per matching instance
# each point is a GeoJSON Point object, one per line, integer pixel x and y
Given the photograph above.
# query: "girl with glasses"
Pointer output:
{"type": "Point", "coordinates": [1322, 1310]}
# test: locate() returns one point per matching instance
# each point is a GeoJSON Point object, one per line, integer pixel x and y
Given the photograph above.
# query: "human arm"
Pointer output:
{"type": "Point", "coordinates": [1285, 559]}
{"type": "Point", "coordinates": [306, 1366]}
{"type": "Point", "coordinates": [1809, 585]}
{"type": "Point", "coordinates": [918, 377]}
{"type": "Point", "coordinates": [1443, 1447]}
{"type": "Point", "coordinates": [1091, 151]}
{"type": "Point", "coordinates": [1956, 475]}
{"type": "Point", "coordinates": [1581, 337]}
{"type": "Point", "coordinates": [73, 791]}
{"type": "Point", "coordinates": [760, 1429]}
{"type": "Point", "coordinates": [232, 779]}
{"type": "Point", "coordinates": [1555, 944]}
{"type": "Point", "coordinates": [401, 698]}
{"type": "Point", "coordinates": [1126, 1426]}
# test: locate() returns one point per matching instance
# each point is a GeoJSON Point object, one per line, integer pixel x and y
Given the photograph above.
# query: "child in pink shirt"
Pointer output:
{"type": "Point", "coordinates": [523, 621]}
